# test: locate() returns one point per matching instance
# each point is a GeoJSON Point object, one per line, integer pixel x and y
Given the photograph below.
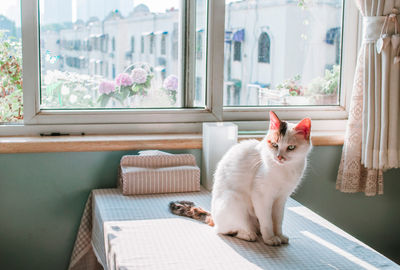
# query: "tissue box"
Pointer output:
{"type": "Point", "coordinates": [150, 174]}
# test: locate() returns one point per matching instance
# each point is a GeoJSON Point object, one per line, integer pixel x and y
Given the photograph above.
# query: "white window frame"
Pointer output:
{"type": "Point", "coordinates": [176, 120]}
{"type": "Point", "coordinates": [337, 113]}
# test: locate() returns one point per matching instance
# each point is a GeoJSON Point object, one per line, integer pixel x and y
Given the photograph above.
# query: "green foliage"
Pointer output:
{"type": "Point", "coordinates": [292, 86]}
{"type": "Point", "coordinates": [125, 92]}
{"type": "Point", "coordinates": [326, 85]}
{"type": "Point", "coordinates": [303, 3]}
{"type": "Point", "coordinates": [104, 99]}
{"type": "Point", "coordinates": [69, 90]}
{"type": "Point", "coordinates": [332, 80]}
{"type": "Point", "coordinates": [141, 88]}
{"type": "Point", "coordinates": [122, 92]}
{"type": "Point", "coordinates": [11, 109]}
{"type": "Point", "coordinates": [171, 95]}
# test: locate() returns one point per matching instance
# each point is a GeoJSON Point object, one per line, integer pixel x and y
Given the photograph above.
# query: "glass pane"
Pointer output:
{"type": "Point", "coordinates": [110, 54]}
{"type": "Point", "coordinates": [200, 53]}
{"type": "Point", "coordinates": [282, 53]}
{"type": "Point", "coordinates": [11, 109]}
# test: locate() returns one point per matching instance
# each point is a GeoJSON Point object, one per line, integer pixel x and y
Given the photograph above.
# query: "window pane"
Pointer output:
{"type": "Point", "coordinates": [110, 54]}
{"type": "Point", "coordinates": [11, 109]}
{"type": "Point", "coordinates": [282, 53]}
{"type": "Point", "coordinates": [200, 53]}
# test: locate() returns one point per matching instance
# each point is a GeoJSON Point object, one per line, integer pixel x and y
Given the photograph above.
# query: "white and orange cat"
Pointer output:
{"type": "Point", "coordinates": [253, 181]}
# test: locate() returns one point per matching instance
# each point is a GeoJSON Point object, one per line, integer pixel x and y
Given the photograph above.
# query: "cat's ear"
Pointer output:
{"type": "Point", "coordinates": [274, 121]}
{"type": "Point", "coordinates": [304, 127]}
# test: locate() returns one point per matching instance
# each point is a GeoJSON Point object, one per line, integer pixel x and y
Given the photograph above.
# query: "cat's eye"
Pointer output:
{"type": "Point", "coordinates": [275, 145]}
{"type": "Point", "coordinates": [291, 147]}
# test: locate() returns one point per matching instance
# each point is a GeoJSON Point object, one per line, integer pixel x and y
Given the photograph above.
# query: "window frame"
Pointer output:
{"type": "Point", "coordinates": [337, 115]}
{"type": "Point", "coordinates": [183, 119]}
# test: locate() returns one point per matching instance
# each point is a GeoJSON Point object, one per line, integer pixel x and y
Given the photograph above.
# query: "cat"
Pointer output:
{"type": "Point", "coordinates": [253, 181]}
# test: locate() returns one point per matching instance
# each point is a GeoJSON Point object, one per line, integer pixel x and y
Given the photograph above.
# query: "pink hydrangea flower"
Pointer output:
{"type": "Point", "coordinates": [106, 87]}
{"type": "Point", "coordinates": [171, 82]}
{"type": "Point", "coordinates": [139, 75]}
{"type": "Point", "coordinates": [124, 79]}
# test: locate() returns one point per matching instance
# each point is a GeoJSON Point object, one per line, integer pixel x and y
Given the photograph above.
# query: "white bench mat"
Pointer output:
{"type": "Point", "coordinates": [139, 232]}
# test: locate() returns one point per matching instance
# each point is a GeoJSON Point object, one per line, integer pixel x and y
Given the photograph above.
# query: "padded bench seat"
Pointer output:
{"type": "Point", "coordinates": [139, 232]}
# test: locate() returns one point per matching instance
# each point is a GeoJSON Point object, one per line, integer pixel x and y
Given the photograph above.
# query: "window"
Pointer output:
{"type": "Point", "coordinates": [106, 69]}
{"type": "Point", "coordinates": [199, 45]}
{"type": "Point", "coordinates": [163, 44]}
{"type": "Point", "coordinates": [134, 82]}
{"type": "Point", "coordinates": [85, 78]}
{"type": "Point", "coordinates": [132, 44]}
{"type": "Point", "coordinates": [104, 43]}
{"type": "Point", "coordinates": [113, 44]}
{"type": "Point", "coordinates": [238, 38]}
{"type": "Point", "coordinates": [333, 38]}
{"type": "Point", "coordinates": [142, 44]}
{"type": "Point", "coordinates": [292, 64]}
{"type": "Point", "coordinates": [264, 47]}
{"type": "Point", "coordinates": [237, 51]}
{"type": "Point", "coordinates": [151, 46]}
{"type": "Point", "coordinates": [174, 41]}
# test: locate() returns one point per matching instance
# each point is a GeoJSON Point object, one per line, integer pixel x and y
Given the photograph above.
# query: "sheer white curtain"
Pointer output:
{"type": "Point", "coordinates": [372, 141]}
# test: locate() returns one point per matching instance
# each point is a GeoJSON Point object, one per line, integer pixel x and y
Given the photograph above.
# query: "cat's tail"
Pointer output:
{"type": "Point", "coordinates": [188, 209]}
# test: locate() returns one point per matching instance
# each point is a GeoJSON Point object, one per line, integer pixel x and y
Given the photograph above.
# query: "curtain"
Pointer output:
{"type": "Point", "coordinates": [372, 136]}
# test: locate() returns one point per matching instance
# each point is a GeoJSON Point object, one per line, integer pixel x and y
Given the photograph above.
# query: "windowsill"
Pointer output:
{"type": "Point", "coordinates": [96, 143]}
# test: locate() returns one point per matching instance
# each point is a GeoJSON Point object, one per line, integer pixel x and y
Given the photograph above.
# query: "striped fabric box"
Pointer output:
{"type": "Point", "coordinates": [152, 174]}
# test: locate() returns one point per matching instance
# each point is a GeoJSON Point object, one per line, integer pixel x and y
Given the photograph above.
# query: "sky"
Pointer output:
{"type": "Point", "coordinates": [10, 9]}
{"type": "Point", "coordinates": [162, 5]}
{"type": "Point", "coordinates": [157, 5]}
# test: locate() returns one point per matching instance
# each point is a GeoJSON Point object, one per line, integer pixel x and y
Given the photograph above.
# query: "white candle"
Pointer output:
{"type": "Point", "coordinates": [217, 139]}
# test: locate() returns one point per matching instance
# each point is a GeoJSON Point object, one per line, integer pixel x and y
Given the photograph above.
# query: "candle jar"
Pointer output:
{"type": "Point", "coordinates": [217, 139]}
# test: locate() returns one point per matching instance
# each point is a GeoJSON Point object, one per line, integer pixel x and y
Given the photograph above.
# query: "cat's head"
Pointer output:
{"type": "Point", "coordinates": [287, 142]}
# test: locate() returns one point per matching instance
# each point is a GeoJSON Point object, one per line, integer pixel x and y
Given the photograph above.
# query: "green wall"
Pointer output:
{"type": "Point", "coordinates": [42, 198]}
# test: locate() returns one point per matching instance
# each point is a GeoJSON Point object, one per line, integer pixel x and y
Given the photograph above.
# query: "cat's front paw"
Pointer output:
{"type": "Point", "coordinates": [273, 241]}
{"type": "Point", "coordinates": [284, 239]}
{"type": "Point", "coordinates": [248, 236]}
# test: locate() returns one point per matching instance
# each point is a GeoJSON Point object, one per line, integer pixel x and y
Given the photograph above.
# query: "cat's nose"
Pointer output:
{"type": "Point", "coordinates": [280, 157]}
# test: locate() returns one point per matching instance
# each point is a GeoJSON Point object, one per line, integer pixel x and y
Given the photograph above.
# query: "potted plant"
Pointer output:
{"type": "Point", "coordinates": [135, 81]}
{"type": "Point", "coordinates": [324, 90]}
{"type": "Point", "coordinates": [170, 86]}
{"type": "Point", "coordinates": [291, 92]}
